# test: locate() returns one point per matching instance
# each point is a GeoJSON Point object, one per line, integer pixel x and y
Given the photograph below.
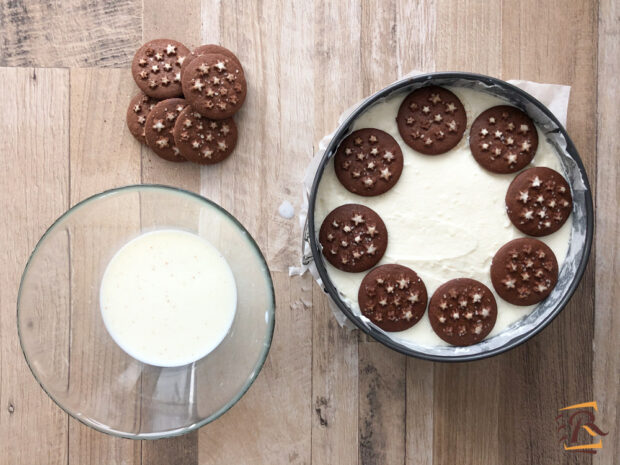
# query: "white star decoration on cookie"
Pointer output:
{"type": "Point", "coordinates": [385, 174]}
{"type": "Point", "coordinates": [159, 125]}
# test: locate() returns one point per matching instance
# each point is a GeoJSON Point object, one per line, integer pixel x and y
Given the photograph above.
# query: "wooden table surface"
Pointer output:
{"type": "Point", "coordinates": [325, 395]}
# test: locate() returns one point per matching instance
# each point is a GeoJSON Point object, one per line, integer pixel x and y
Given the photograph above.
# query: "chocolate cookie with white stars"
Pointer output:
{"type": "Point", "coordinates": [503, 139]}
{"type": "Point", "coordinates": [539, 201]}
{"type": "Point", "coordinates": [431, 120]}
{"type": "Point", "coordinates": [353, 237]}
{"type": "Point", "coordinates": [202, 140]}
{"type": "Point", "coordinates": [139, 108]}
{"type": "Point", "coordinates": [393, 297]}
{"type": "Point", "coordinates": [215, 86]}
{"type": "Point", "coordinates": [524, 271]}
{"type": "Point", "coordinates": [368, 162]}
{"type": "Point", "coordinates": [462, 311]}
{"type": "Point", "coordinates": [159, 128]}
{"type": "Point", "coordinates": [156, 68]}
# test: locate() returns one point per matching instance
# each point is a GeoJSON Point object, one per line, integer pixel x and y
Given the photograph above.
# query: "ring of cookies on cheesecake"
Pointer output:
{"type": "Point", "coordinates": [503, 140]}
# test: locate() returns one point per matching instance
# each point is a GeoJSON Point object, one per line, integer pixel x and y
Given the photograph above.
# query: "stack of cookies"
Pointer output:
{"type": "Point", "coordinates": [187, 100]}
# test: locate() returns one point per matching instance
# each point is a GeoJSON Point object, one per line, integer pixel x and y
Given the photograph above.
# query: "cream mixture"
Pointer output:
{"type": "Point", "coordinates": [446, 216]}
{"type": "Point", "coordinates": [168, 297]}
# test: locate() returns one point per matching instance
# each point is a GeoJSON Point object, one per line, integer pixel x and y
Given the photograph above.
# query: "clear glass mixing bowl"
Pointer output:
{"type": "Point", "coordinates": [74, 358]}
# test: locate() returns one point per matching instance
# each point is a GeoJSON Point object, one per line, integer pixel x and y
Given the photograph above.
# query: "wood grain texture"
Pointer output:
{"type": "Point", "coordinates": [420, 414]}
{"type": "Point", "coordinates": [33, 193]}
{"type": "Point", "coordinates": [382, 404]}
{"type": "Point", "coordinates": [607, 320]}
{"type": "Point", "coordinates": [76, 33]}
{"type": "Point", "coordinates": [103, 155]}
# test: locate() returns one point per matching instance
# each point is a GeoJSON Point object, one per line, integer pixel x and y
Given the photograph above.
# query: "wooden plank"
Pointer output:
{"type": "Point", "coordinates": [179, 20]}
{"type": "Point", "coordinates": [181, 450]}
{"type": "Point", "coordinates": [416, 25]}
{"type": "Point", "coordinates": [271, 423]}
{"type": "Point", "coordinates": [335, 358]}
{"type": "Point", "coordinates": [293, 103]}
{"type": "Point", "coordinates": [382, 404]}
{"type": "Point", "coordinates": [466, 397]}
{"type": "Point", "coordinates": [468, 36]}
{"type": "Point", "coordinates": [607, 321]}
{"type": "Point", "coordinates": [103, 155]}
{"type": "Point", "coordinates": [466, 402]}
{"type": "Point", "coordinates": [251, 184]}
{"type": "Point", "coordinates": [70, 33]}
{"type": "Point", "coordinates": [34, 191]}
{"type": "Point", "coordinates": [556, 43]}
{"type": "Point", "coordinates": [420, 421]}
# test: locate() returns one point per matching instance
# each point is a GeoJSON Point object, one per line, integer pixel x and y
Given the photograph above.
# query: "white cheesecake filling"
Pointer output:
{"type": "Point", "coordinates": [446, 216]}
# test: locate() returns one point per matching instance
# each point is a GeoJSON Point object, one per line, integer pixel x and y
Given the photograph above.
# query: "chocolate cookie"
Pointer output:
{"type": "Point", "coordinates": [156, 68]}
{"type": "Point", "coordinates": [206, 50]}
{"type": "Point", "coordinates": [354, 238]}
{"type": "Point", "coordinates": [393, 297]}
{"type": "Point", "coordinates": [214, 85]}
{"type": "Point", "coordinates": [431, 120]}
{"type": "Point", "coordinates": [462, 311]}
{"type": "Point", "coordinates": [368, 162]}
{"type": "Point", "coordinates": [503, 139]}
{"type": "Point", "coordinates": [159, 128]}
{"type": "Point", "coordinates": [524, 271]}
{"type": "Point", "coordinates": [539, 201]}
{"type": "Point", "coordinates": [139, 108]}
{"type": "Point", "coordinates": [202, 140]}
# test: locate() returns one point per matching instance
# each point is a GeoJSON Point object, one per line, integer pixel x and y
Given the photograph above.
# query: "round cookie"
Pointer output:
{"type": "Point", "coordinates": [139, 108]}
{"type": "Point", "coordinates": [354, 238]}
{"type": "Point", "coordinates": [159, 128]}
{"type": "Point", "coordinates": [156, 68]}
{"type": "Point", "coordinates": [207, 49]}
{"type": "Point", "coordinates": [462, 311]}
{"type": "Point", "coordinates": [393, 297]}
{"type": "Point", "coordinates": [539, 201]}
{"type": "Point", "coordinates": [202, 140]}
{"type": "Point", "coordinates": [503, 139]}
{"type": "Point", "coordinates": [368, 162]}
{"type": "Point", "coordinates": [431, 120]}
{"type": "Point", "coordinates": [524, 271]}
{"type": "Point", "coordinates": [214, 85]}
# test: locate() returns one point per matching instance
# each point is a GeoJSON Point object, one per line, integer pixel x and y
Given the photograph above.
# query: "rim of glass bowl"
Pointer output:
{"type": "Point", "coordinates": [266, 345]}
{"type": "Point", "coordinates": [343, 129]}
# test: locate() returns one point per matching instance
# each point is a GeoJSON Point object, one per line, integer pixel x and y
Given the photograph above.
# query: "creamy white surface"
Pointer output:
{"type": "Point", "coordinates": [446, 216]}
{"type": "Point", "coordinates": [168, 297]}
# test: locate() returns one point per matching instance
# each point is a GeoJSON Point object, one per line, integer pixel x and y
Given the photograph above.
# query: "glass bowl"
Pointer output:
{"type": "Point", "coordinates": [75, 360]}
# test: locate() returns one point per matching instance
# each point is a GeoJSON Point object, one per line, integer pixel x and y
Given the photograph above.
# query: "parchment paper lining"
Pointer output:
{"type": "Point", "coordinates": [555, 97]}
